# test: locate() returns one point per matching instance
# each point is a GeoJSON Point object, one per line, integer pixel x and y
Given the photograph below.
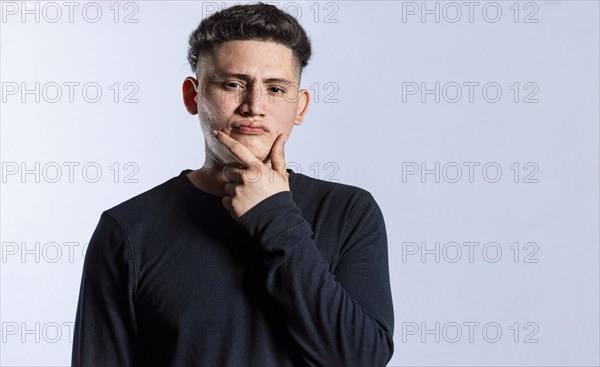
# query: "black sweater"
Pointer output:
{"type": "Point", "coordinates": [170, 279]}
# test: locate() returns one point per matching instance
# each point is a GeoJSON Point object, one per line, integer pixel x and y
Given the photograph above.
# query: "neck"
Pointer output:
{"type": "Point", "coordinates": [209, 178]}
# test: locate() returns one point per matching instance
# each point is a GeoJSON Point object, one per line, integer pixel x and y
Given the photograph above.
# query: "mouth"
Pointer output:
{"type": "Point", "coordinates": [249, 128]}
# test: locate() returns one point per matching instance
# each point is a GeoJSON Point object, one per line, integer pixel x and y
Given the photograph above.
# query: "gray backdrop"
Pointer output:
{"type": "Point", "coordinates": [473, 124]}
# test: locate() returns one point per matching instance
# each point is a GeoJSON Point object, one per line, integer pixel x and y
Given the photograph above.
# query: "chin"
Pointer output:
{"type": "Point", "coordinates": [223, 156]}
{"type": "Point", "coordinates": [261, 155]}
{"type": "Point", "coordinates": [256, 148]}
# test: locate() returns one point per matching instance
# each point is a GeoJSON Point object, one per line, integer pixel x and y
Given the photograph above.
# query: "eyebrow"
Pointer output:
{"type": "Point", "coordinates": [247, 77]}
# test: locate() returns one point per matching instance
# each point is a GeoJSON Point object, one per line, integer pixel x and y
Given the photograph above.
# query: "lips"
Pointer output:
{"type": "Point", "coordinates": [250, 128]}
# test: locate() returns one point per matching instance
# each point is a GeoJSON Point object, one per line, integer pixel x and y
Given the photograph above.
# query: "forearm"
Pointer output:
{"type": "Point", "coordinates": [329, 326]}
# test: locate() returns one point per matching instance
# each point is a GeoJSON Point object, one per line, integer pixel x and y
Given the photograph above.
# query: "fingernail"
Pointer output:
{"type": "Point", "coordinates": [215, 132]}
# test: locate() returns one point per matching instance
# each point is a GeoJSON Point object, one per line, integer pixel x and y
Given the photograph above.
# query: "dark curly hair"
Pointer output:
{"type": "Point", "coordinates": [259, 21]}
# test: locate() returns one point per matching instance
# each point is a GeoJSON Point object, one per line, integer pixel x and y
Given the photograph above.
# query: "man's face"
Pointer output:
{"type": "Point", "coordinates": [249, 90]}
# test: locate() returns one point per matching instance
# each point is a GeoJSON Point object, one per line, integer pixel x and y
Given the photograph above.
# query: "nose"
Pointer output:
{"type": "Point", "coordinates": [253, 103]}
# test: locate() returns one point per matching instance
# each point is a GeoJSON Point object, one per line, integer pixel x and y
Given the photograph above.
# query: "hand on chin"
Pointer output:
{"type": "Point", "coordinates": [227, 158]}
{"type": "Point", "coordinates": [256, 144]}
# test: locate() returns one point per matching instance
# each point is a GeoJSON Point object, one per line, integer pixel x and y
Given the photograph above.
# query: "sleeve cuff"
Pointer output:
{"type": "Point", "coordinates": [272, 217]}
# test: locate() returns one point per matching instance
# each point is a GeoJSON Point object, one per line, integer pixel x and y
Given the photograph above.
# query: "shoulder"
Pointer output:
{"type": "Point", "coordinates": [149, 203]}
{"type": "Point", "coordinates": [322, 188]}
{"type": "Point", "coordinates": [333, 197]}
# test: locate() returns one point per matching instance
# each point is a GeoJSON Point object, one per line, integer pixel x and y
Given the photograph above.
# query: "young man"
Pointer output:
{"type": "Point", "coordinates": [241, 262]}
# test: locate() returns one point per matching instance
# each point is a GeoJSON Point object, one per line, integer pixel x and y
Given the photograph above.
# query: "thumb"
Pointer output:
{"type": "Point", "coordinates": [277, 155]}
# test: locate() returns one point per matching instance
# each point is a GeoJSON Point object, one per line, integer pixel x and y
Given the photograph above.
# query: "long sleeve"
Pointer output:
{"type": "Point", "coordinates": [340, 319]}
{"type": "Point", "coordinates": [105, 325]}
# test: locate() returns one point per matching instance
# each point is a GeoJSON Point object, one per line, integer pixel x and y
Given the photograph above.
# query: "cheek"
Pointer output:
{"type": "Point", "coordinates": [212, 112]}
{"type": "Point", "coordinates": [205, 110]}
{"type": "Point", "coordinates": [284, 116]}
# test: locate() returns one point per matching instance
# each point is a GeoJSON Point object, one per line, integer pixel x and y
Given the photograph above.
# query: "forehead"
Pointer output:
{"type": "Point", "coordinates": [252, 57]}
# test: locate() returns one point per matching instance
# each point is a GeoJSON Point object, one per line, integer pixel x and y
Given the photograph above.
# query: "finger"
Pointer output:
{"type": "Point", "coordinates": [233, 174]}
{"type": "Point", "coordinates": [239, 150]}
{"type": "Point", "coordinates": [230, 189]}
{"type": "Point", "coordinates": [227, 203]}
{"type": "Point", "coordinates": [277, 154]}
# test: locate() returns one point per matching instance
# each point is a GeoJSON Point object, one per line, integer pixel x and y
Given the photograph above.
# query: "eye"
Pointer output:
{"type": "Point", "coordinates": [276, 90]}
{"type": "Point", "coordinates": [233, 85]}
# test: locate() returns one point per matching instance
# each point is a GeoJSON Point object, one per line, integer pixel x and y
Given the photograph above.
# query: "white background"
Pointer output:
{"type": "Point", "coordinates": [544, 298]}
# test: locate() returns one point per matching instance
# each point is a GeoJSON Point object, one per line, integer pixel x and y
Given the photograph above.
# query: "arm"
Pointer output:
{"type": "Point", "coordinates": [340, 319]}
{"type": "Point", "coordinates": [105, 326]}
{"type": "Point", "coordinates": [346, 321]}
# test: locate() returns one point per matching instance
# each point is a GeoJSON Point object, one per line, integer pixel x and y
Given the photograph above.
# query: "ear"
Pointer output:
{"type": "Point", "coordinates": [303, 102]}
{"type": "Point", "coordinates": [190, 92]}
